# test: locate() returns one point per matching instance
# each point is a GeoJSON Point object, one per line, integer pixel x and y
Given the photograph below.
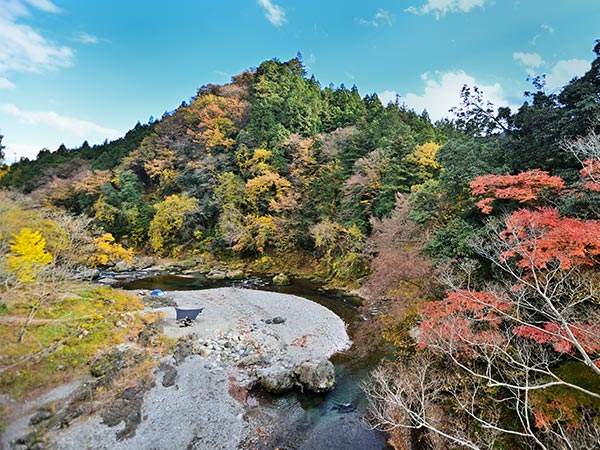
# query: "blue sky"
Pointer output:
{"type": "Point", "coordinates": [75, 70]}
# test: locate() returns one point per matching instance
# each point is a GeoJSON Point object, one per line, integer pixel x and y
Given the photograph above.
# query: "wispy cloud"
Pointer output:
{"type": "Point", "coordinates": [72, 127]}
{"type": "Point", "coordinates": [6, 84]}
{"type": "Point", "coordinates": [443, 7]}
{"type": "Point", "coordinates": [528, 59]}
{"type": "Point", "coordinates": [382, 17]}
{"type": "Point", "coordinates": [442, 92]}
{"type": "Point", "coordinates": [548, 28]}
{"type": "Point", "coordinates": [274, 13]}
{"type": "Point", "coordinates": [44, 5]}
{"type": "Point", "coordinates": [23, 49]}
{"type": "Point", "coordinates": [85, 38]}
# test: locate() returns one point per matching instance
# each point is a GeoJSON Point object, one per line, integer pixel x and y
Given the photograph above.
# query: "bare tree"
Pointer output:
{"type": "Point", "coordinates": [504, 344]}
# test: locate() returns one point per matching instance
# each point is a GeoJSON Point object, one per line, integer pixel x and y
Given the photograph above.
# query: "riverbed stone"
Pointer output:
{"type": "Point", "coordinates": [236, 274]}
{"type": "Point", "coordinates": [88, 274]}
{"type": "Point", "coordinates": [281, 280]}
{"type": "Point", "coordinates": [216, 275]}
{"type": "Point", "coordinates": [123, 266]}
{"type": "Point", "coordinates": [277, 379]}
{"type": "Point", "coordinates": [142, 262]}
{"type": "Point", "coordinates": [316, 375]}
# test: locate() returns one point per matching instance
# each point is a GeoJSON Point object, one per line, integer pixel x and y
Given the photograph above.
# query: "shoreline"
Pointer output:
{"type": "Point", "coordinates": [204, 399]}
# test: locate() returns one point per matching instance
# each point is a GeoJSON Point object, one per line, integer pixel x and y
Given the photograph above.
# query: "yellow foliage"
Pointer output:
{"type": "Point", "coordinates": [107, 250]}
{"type": "Point", "coordinates": [28, 255]}
{"type": "Point", "coordinates": [4, 169]}
{"type": "Point", "coordinates": [425, 157]}
{"type": "Point", "coordinates": [270, 188]}
{"type": "Point", "coordinates": [169, 219]}
{"type": "Point", "coordinates": [14, 217]}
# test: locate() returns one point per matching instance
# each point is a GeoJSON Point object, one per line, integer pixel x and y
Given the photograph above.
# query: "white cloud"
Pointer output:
{"type": "Point", "coordinates": [84, 38]}
{"type": "Point", "coordinates": [6, 84]}
{"type": "Point", "coordinates": [381, 17]}
{"type": "Point", "coordinates": [564, 71]}
{"type": "Point", "coordinates": [14, 152]}
{"type": "Point", "coordinates": [44, 5]}
{"type": "Point", "coordinates": [442, 7]}
{"type": "Point", "coordinates": [275, 14]}
{"type": "Point", "coordinates": [529, 59]}
{"type": "Point", "coordinates": [548, 28]}
{"type": "Point", "coordinates": [23, 49]}
{"type": "Point", "coordinates": [387, 97]}
{"type": "Point", "coordinates": [442, 92]}
{"type": "Point", "coordinates": [70, 131]}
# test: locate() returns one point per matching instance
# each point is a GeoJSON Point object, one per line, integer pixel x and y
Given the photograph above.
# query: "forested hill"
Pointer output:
{"type": "Point", "coordinates": [475, 242]}
{"type": "Point", "coordinates": [269, 162]}
{"type": "Point", "coordinates": [273, 163]}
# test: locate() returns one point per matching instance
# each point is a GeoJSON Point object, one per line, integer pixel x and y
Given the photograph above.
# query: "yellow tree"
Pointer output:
{"type": "Point", "coordinates": [169, 219]}
{"type": "Point", "coordinates": [28, 255]}
{"type": "Point", "coordinates": [424, 156]}
{"type": "Point", "coordinates": [109, 251]}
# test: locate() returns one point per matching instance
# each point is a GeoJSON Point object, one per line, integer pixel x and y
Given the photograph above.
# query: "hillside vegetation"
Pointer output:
{"type": "Point", "coordinates": [475, 241]}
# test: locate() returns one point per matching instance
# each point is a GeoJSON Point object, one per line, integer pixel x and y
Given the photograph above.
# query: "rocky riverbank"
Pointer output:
{"type": "Point", "coordinates": [203, 395]}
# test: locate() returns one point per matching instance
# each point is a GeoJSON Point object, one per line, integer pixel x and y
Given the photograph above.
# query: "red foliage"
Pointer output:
{"type": "Point", "coordinates": [540, 237]}
{"type": "Point", "coordinates": [591, 174]}
{"type": "Point", "coordinates": [525, 187]}
{"type": "Point", "coordinates": [588, 336]}
{"type": "Point", "coordinates": [463, 319]}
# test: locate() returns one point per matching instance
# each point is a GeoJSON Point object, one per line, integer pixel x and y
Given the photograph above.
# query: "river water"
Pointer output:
{"type": "Point", "coordinates": [331, 421]}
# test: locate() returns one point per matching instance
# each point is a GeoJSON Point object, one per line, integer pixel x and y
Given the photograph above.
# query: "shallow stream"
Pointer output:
{"type": "Point", "coordinates": [331, 421]}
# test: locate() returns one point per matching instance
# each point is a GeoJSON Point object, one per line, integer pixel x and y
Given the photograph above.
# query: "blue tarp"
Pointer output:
{"type": "Point", "coordinates": [157, 292]}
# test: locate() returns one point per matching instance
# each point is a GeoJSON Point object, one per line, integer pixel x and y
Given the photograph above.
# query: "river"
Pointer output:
{"type": "Point", "coordinates": [331, 421]}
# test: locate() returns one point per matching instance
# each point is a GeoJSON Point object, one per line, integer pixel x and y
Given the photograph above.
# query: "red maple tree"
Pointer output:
{"type": "Point", "coordinates": [541, 237]}
{"type": "Point", "coordinates": [526, 187]}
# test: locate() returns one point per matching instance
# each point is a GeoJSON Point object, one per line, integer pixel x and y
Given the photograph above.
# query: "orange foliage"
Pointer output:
{"type": "Point", "coordinates": [525, 187]}
{"type": "Point", "coordinates": [218, 118]}
{"type": "Point", "coordinates": [591, 174]}
{"type": "Point", "coordinates": [539, 238]}
{"type": "Point", "coordinates": [588, 336]}
{"type": "Point", "coordinates": [463, 319]}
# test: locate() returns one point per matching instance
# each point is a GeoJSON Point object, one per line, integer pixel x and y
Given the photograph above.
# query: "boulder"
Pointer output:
{"type": "Point", "coordinates": [316, 375]}
{"type": "Point", "coordinates": [187, 264]}
{"type": "Point", "coordinates": [277, 379]}
{"type": "Point", "coordinates": [281, 280]}
{"type": "Point", "coordinates": [142, 262]}
{"type": "Point", "coordinates": [215, 274]}
{"type": "Point", "coordinates": [236, 274]}
{"type": "Point", "coordinates": [88, 274]}
{"type": "Point", "coordinates": [123, 266]}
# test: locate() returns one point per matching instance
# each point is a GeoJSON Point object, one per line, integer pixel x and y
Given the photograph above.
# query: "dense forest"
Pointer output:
{"type": "Point", "coordinates": [474, 241]}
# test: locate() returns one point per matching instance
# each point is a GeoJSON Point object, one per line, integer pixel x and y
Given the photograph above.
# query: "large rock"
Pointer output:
{"type": "Point", "coordinates": [123, 266]}
{"type": "Point", "coordinates": [316, 375]}
{"type": "Point", "coordinates": [88, 274]}
{"type": "Point", "coordinates": [236, 274]}
{"type": "Point", "coordinates": [281, 280]}
{"type": "Point", "coordinates": [277, 379]}
{"type": "Point", "coordinates": [216, 275]}
{"type": "Point", "coordinates": [142, 262]}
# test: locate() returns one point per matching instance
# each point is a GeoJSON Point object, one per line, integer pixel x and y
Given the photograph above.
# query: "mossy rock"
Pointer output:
{"type": "Point", "coordinates": [281, 280]}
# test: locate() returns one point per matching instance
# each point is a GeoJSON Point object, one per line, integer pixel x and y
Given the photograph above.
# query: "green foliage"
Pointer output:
{"type": "Point", "coordinates": [454, 241]}
{"type": "Point", "coordinates": [340, 249]}
{"type": "Point", "coordinates": [67, 332]}
{"type": "Point", "coordinates": [122, 210]}
{"type": "Point", "coordinates": [171, 215]}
